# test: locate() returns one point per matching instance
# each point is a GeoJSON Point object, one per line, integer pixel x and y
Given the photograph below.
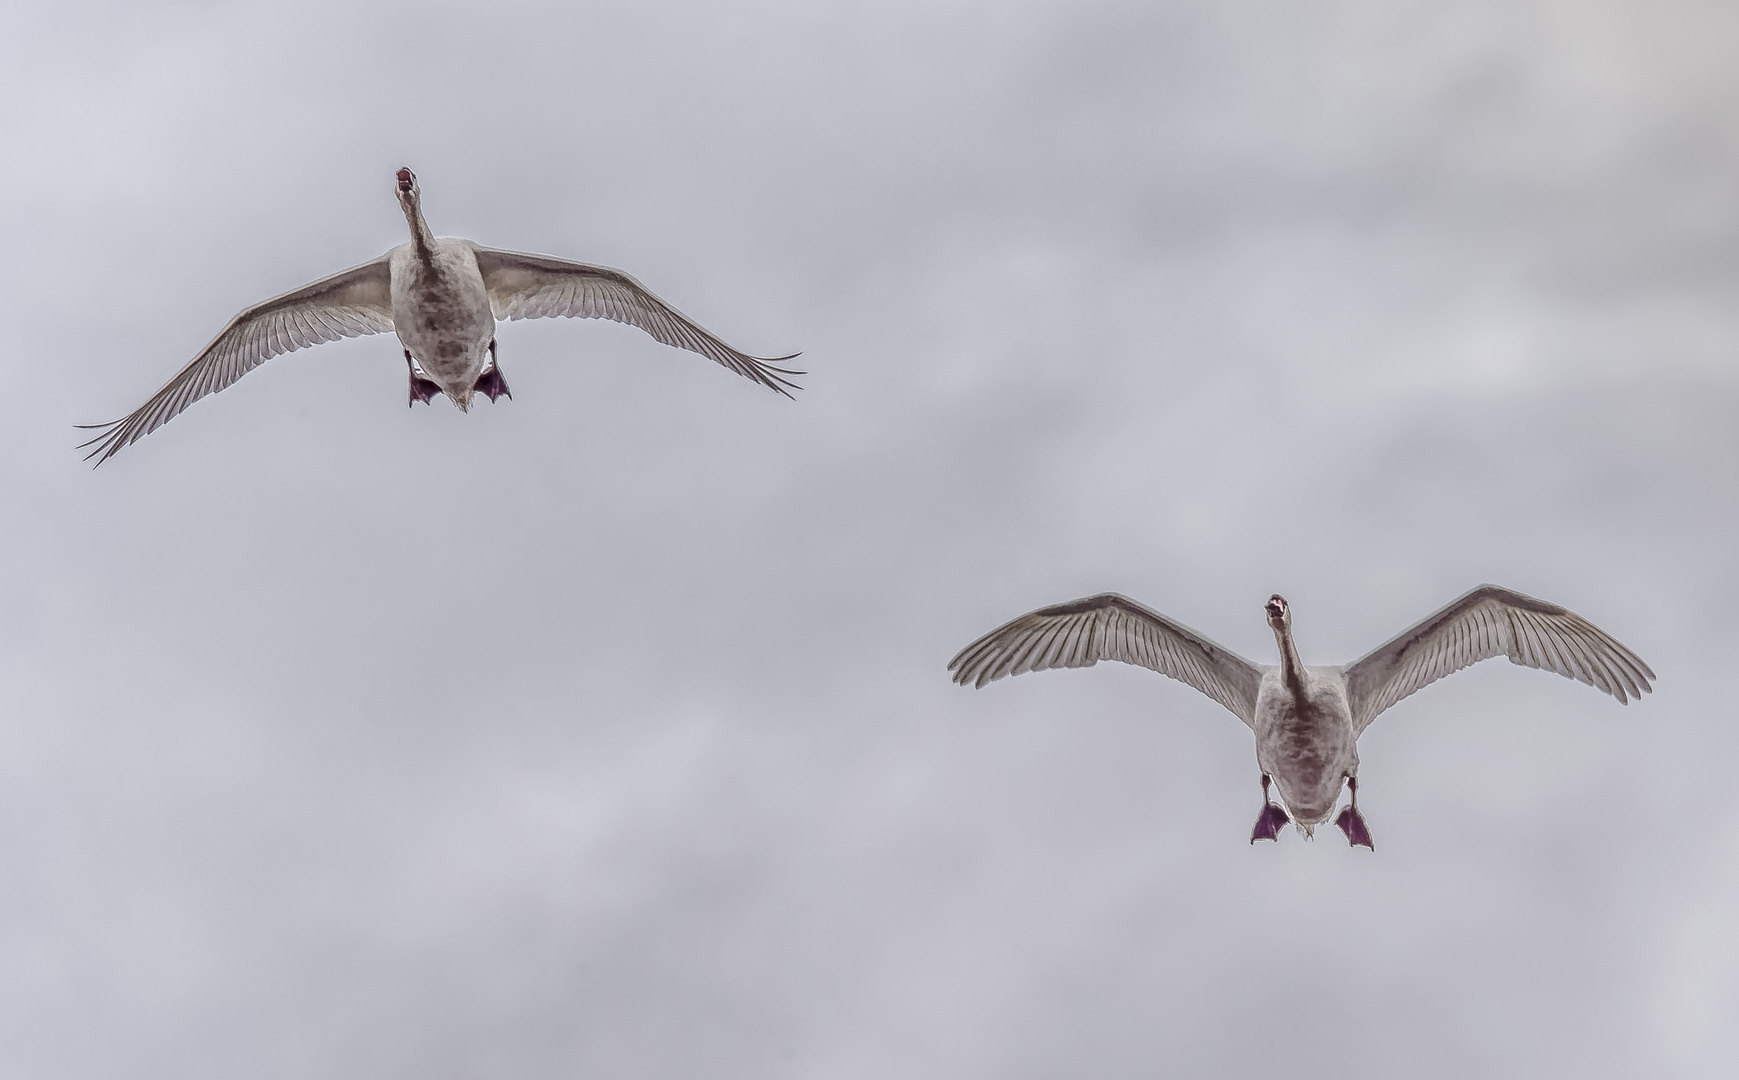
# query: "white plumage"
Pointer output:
{"type": "Point", "coordinates": [1307, 720]}
{"type": "Point", "coordinates": [442, 296]}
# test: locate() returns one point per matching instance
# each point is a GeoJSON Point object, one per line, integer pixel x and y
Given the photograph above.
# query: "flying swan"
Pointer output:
{"type": "Point", "coordinates": [1308, 720]}
{"type": "Point", "coordinates": [443, 296]}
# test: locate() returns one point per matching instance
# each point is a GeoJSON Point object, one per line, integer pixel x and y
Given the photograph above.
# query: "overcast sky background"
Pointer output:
{"type": "Point", "coordinates": [605, 732]}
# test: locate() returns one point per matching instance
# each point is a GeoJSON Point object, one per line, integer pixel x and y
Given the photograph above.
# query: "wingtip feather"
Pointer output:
{"type": "Point", "coordinates": [107, 441]}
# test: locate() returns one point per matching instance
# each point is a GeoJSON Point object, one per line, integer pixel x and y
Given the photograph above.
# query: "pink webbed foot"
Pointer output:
{"type": "Point", "coordinates": [421, 389]}
{"type": "Point", "coordinates": [491, 382]}
{"type": "Point", "coordinates": [1352, 823]}
{"type": "Point", "coordinates": [1268, 823]}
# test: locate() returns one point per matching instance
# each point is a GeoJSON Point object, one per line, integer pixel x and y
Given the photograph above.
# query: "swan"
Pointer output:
{"type": "Point", "coordinates": [1307, 720]}
{"type": "Point", "coordinates": [443, 296]}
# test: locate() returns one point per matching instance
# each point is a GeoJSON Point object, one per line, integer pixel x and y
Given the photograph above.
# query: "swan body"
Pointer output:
{"type": "Point", "coordinates": [443, 297]}
{"type": "Point", "coordinates": [442, 314]}
{"type": "Point", "coordinates": [1305, 740]}
{"type": "Point", "coordinates": [1307, 720]}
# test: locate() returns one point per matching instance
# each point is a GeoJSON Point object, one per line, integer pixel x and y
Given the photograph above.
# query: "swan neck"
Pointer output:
{"type": "Point", "coordinates": [1291, 669]}
{"type": "Point", "coordinates": [421, 238]}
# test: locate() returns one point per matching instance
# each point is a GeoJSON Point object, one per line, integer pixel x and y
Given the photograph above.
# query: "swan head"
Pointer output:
{"type": "Point", "coordinates": [408, 191]}
{"type": "Point", "coordinates": [1279, 614]}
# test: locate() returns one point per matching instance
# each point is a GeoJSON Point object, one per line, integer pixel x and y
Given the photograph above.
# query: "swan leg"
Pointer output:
{"type": "Point", "coordinates": [1352, 822]}
{"type": "Point", "coordinates": [491, 382]}
{"type": "Point", "coordinates": [1268, 822]}
{"type": "Point", "coordinates": [421, 389]}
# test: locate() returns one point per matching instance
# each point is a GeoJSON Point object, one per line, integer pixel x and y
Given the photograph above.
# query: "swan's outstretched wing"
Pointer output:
{"type": "Point", "coordinates": [348, 304]}
{"type": "Point", "coordinates": [1487, 622]}
{"type": "Point", "coordinates": [1111, 627]}
{"type": "Point", "coordinates": [537, 286]}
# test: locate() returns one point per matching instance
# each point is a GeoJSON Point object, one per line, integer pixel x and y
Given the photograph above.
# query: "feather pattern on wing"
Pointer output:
{"type": "Point", "coordinates": [1492, 621]}
{"type": "Point", "coordinates": [523, 286]}
{"type": "Point", "coordinates": [1111, 627]}
{"type": "Point", "coordinates": [350, 303]}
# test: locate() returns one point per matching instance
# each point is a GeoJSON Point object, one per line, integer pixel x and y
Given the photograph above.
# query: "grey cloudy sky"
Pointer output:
{"type": "Point", "coordinates": [605, 732]}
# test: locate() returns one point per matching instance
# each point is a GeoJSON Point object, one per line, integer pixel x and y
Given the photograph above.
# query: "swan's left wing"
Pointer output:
{"type": "Point", "coordinates": [1081, 633]}
{"type": "Point", "coordinates": [350, 303]}
{"type": "Point", "coordinates": [525, 286]}
{"type": "Point", "coordinates": [1492, 621]}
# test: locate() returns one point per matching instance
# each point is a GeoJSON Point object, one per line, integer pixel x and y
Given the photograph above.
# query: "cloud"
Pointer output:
{"type": "Point", "coordinates": [605, 731]}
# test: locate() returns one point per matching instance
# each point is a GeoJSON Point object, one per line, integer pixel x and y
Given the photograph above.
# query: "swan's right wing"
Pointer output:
{"type": "Point", "coordinates": [1493, 621]}
{"type": "Point", "coordinates": [350, 303]}
{"type": "Point", "coordinates": [1111, 627]}
{"type": "Point", "coordinates": [525, 286]}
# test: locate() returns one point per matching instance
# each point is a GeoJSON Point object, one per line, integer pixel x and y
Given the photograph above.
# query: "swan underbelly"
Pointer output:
{"type": "Point", "coordinates": [1306, 743]}
{"type": "Point", "coordinates": [441, 312]}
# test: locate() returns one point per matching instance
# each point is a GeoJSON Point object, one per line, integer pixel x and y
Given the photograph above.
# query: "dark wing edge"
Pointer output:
{"type": "Point", "coordinates": [1111, 627]}
{"type": "Point", "coordinates": [350, 303]}
{"type": "Point", "coordinates": [1486, 622]}
{"type": "Point", "coordinates": [525, 286]}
